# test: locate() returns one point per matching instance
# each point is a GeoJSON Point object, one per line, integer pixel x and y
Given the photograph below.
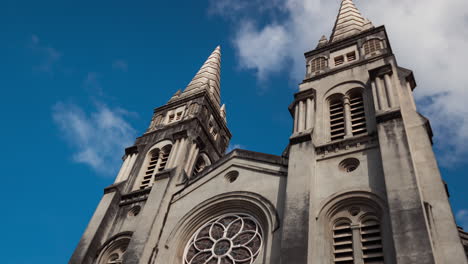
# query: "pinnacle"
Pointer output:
{"type": "Point", "coordinates": [349, 22]}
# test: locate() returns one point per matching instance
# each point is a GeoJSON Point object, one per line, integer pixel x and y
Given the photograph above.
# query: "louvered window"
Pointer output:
{"type": "Point", "coordinates": [157, 162]}
{"type": "Point", "coordinates": [372, 249]}
{"type": "Point", "coordinates": [337, 121]}
{"type": "Point", "coordinates": [358, 115]}
{"type": "Point", "coordinates": [339, 60]}
{"type": "Point", "coordinates": [372, 45]}
{"type": "Point", "coordinates": [318, 65]}
{"type": "Point", "coordinates": [199, 166]}
{"type": "Point", "coordinates": [343, 244]}
{"type": "Point", "coordinates": [164, 157]}
{"type": "Point", "coordinates": [351, 56]}
{"type": "Point", "coordinates": [148, 177]}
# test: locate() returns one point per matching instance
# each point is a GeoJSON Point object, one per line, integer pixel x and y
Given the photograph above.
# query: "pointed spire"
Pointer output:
{"type": "Point", "coordinates": [349, 22]}
{"type": "Point", "coordinates": [208, 77]}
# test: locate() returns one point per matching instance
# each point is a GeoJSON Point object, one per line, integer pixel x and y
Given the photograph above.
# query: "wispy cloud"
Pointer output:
{"type": "Point", "coordinates": [97, 137]}
{"type": "Point", "coordinates": [462, 218]}
{"type": "Point", "coordinates": [428, 36]}
{"type": "Point", "coordinates": [120, 65]}
{"type": "Point", "coordinates": [49, 57]}
{"type": "Point", "coordinates": [234, 146]}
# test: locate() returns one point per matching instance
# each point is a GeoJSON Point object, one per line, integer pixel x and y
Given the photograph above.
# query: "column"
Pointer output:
{"type": "Point", "coordinates": [301, 116]}
{"type": "Point", "coordinates": [129, 167]}
{"type": "Point", "coordinates": [389, 90]}
{"type": "Point", "coordinates": [357, 252]}
{"type": "Point", "coordinates": [122, 169]}
{"type": "Point", "coordinates": [375, 95]}
{"type": "Point", "coordinates": [310, 113]}
{"type": "Point", "coordinates": [175, 149]}
{"type": "Point", "coordinates": [296, 118]}
{"type": "Point", "coordinates": [381, 93]}
{"type": "Point", "coordinates": [190, 157]}
{"type": "Point", "coordinates": [347, 110]}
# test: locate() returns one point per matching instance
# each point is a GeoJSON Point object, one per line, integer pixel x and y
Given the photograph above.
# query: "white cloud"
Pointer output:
{"type": "Point", "coordinates": [98, 138]}
{"type": "Point", "coordinates": [462, 218]}
{"type": "Point", "coordinates": [49, 56]}
{"type": "Point", "coordinates": [428, 36]}
{"type": "Point", "coordinates": [234, 146]}
{"type": "Point", "coordinates": [120, 65]}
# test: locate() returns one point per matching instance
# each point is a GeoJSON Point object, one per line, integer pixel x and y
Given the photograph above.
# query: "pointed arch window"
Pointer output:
{"type": "Point", "coordinates": [157, 161]}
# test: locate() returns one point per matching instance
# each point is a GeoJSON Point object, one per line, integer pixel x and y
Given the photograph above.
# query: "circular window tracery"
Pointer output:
{"type": "Point", "coordinates": [114, 252]}
{"type": "Point", "coordinates": [228, 239]}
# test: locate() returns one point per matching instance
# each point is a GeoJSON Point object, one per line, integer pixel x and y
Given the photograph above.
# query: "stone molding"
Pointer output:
{"type": "Point", "coordinates": [346, 146]}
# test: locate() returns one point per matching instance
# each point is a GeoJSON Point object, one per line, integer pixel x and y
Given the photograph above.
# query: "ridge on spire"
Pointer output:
{"type": "Point", "coordinates": [349, 22]}
{"type": "Point", "coordinates": [208, 77]}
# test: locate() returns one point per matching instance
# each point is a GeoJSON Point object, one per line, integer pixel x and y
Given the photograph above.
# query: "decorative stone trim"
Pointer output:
{"type": "Point", "coordinates": [300, 138]}
{"type": "Point", "coordinates": [131, 150]}
{"type": "Point", "coordinates": [346, 146]}
{"type": "Point", "coordinates": [135, 197]}
{"type": "Point", "coordinates": [387, 116]}
{"type": "Point", "coordinates": [381, 71]}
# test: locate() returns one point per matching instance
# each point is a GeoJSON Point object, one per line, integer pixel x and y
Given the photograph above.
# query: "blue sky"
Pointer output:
{"type": "Point", "coordinates": [79, 80]}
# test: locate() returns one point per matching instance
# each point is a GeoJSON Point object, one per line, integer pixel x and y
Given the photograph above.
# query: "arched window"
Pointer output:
{"type": "Point", "coordinates": [356, 236]}
{"type": "Point", "coordinates": [372, 46]}
{"type": "Point", "coordinates": [343, 242]}
{"type": "Point", "coordinates": [337, 118]}
{"type": "Point", "coordinates": [358, 114]}
{"type": "Point", "coordinates": [202, 162]}
{"type": "Point", "coordinates": [371, 241]}
{"type": "Point", "coordinates": [157, 161]}
{"type": "Point", "coordinates": [199, 166]}
{"type": "Point", "coordinates": [114, 252]}
{"type": "Point", "coordinates": [347, 115]}
{"type": "Point", "coordinates": [318, 64]}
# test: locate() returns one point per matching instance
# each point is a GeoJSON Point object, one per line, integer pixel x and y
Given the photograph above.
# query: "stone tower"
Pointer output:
{"type": "Point", "coordinates": [363, 183]}
{"type": "Point", "coordinates": [185, 135]}
{"type": "Point", "coordinates": [357, 184]}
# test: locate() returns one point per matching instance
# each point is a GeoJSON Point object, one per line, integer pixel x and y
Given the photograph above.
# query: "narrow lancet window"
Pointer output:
{"type": "Point", "coordinates": [358, 115]}
{"type": "Point", "coordinates": [337, 121]}
{"type": "Point", "coordinates": [343, 243]}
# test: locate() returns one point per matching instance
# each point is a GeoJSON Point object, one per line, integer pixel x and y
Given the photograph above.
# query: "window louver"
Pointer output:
{"type": "Point", "coordinates": [343, 244]}
{"type": "Point", "coordinates": [337, 122]}
{"type": "Point", "coordinates": [153, 162]}
{"type": "Point", "coordinates": [371, 240]}
{"type": "Point", "coordinates": [358, 115]}
{"type": "Point", "coordinates": [372, 45]}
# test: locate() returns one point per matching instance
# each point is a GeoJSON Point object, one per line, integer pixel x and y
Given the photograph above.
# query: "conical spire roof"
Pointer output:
{"type": "Point", "coordinates": [208, 77]}
{"type": "Point", "coordinates": [349, 22]}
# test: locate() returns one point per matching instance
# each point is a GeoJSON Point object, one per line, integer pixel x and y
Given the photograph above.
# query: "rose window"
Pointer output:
{"type": "Point", "coordinates": [229, 239]}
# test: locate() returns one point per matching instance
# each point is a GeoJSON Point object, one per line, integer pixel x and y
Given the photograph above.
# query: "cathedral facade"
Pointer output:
{"type": "Point", "coordinates": [358, 182]}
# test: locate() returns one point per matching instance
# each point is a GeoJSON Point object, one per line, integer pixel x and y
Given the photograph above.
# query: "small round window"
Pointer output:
{"type": "Point", "coordinates": [349, 165]}
{"type": "Point", "coordinates": [232, 176]}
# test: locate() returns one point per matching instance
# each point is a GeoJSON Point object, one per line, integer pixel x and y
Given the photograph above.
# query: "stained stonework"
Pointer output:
{"type": "Point", "coordinates": [357, 183]}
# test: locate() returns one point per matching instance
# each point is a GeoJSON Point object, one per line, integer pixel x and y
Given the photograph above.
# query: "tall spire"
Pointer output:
{"type": "Point", "coordinates": [208, 77]}
{"type": "Point", "coordinates": [349, 22]}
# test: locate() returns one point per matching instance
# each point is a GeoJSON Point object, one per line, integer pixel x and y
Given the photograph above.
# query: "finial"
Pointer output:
{"type": "Point", "coordinates": [322, 42]}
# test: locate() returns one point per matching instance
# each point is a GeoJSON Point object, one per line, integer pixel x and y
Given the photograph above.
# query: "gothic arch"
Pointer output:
{"type": "Point", "coordinates": [235, 202]}
{"type": "Point", "coordinates": [114, 248]}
